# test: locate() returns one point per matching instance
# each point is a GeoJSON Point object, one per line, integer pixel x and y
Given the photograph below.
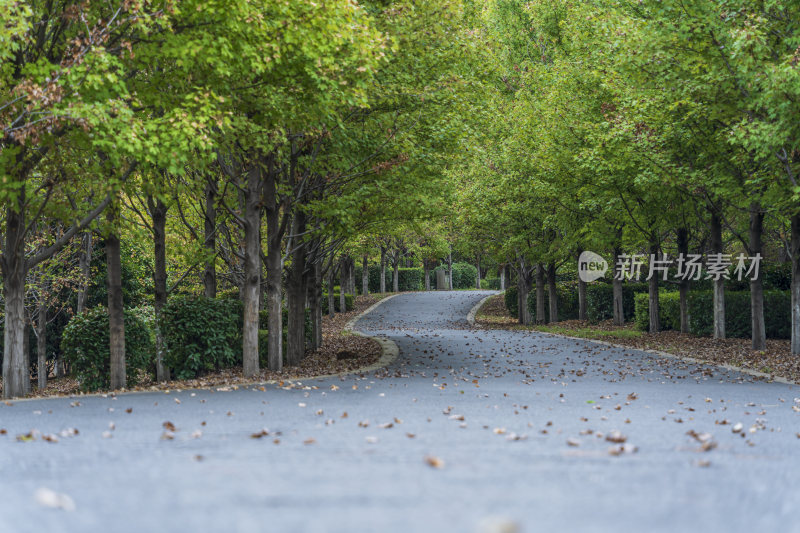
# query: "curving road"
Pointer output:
{"type": "Point", "coordinates": [509, 421]}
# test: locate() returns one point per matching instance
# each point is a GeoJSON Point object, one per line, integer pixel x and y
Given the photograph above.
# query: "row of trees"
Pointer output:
{"type": "Point", "coordinates": [240, 143]}
{"type": "Point", "coordinates": [655, 126]}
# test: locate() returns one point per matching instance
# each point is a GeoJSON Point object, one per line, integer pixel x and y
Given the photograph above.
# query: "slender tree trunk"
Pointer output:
{"type": "Point", "coordinates": [523, 289]}
{"type": "Point", "coordinates": [365, 275]}
{"type": "Point", "coordinates": [116, 320]}
{"type": "Point", "coordinates": [759, 334]}
{"type": "Point", "coordinates": [331, 296]}
{"type": "Point", "coordinates": [426, 272]}
{"type": "Point", "coordinates": [342, 284]}
{"type": "Point", "coordinates": [274, 272]}
{"type": "Point", "coordinates": [652, 291]}
{"type": "Point", "coordinates": [616, 291]}
{"type": "Point", "coordinates": [16, 376]}
{"type": "Point", "coordinates": [251, 290]}
{"type": "Point", "coordinates": [552, 292]}
{"type": "Point", "coordinates": [478, 267]}
{"type": "Point", "coordinates": [541, 313]}
{"type": "Point", "coordinates": [351, 276]}
{"type": "Point", "coordinates": [296, 296]}
{"type": "Point", "coordinates": [84, 264]}
{"type": "Point", "coordinates": [582, 309]}
{"type": "Point", "coordinates": [795, 248]}
{"type": "Point", "coordinates": [41, 337]}
{"type": "Point", "coordinates": [210, 243]}
{"type": "Point", "coordinates": [683, 286]}
{"type": "Point", "coordinates": [503, 278]}
{"type": "Point", "coordinates": [159, 214]}
{"type": "Point", "coordinates": [450, 270]}
{"type": "Point", "coordinates": [383, 270]}
{"type": "Point", "coordinates": [315, 303]}
{"type": "Point", "coordinates": [396, 273]}
{"type": "Point", "coordinates": [719, 284]}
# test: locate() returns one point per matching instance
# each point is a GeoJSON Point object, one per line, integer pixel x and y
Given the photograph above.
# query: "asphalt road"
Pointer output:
{"type": "Point", "coordinates": [467, 431]}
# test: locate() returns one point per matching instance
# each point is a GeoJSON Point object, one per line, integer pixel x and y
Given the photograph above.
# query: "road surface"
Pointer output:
{"type": "Point", "coordinates": [468, 430]}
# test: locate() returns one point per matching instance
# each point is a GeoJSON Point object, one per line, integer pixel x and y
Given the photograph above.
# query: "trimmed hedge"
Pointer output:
{"type": "Point", "coordinates": [567, 292]}
{"type": "Point", "coordinates": [408, 279]}
{"type": "Point", "coordinates": [464, 275]}
{"type": "Point", "coordinates": [85, 343]}
{"type": "Point", "coordinates": [600, 300]}
{"type": "Point", "coordinates": [201, 334]}
{"type": "Point", "coordinates": [491, 284]}
{"type": "Point", "coordinates": [349, 303]}
{"type": "Point", "coordinates": [510, 297]}
{"type": "Point", "coordinates": [777, 313]}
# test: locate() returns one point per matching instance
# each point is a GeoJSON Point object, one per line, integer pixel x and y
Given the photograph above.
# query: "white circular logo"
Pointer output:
{"type": "Point", "coordinates": [591, 266]}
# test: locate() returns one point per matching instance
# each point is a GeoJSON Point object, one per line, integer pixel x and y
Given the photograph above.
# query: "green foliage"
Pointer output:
{"type": "Point", "coordinates": [263, 333]}
{"type": "Point", "coordinates": [511, 299]}
{"type": "Point", "coordinates": [408, 279]}
{"type": "Point", "coordinates": [464, 275]}
{"type": "Point", "coordinates": [669, 308]}
{"type": "Point", "coordinates": [201, 334]}
{"type": "Point", "coordinates": [567, 292]}
{"type": "Point", "coordinates": [86, 347]}
{"type": "Point", "coordinates": [349, 302]}
{"type": "Point", "coordinates": [600, 300]}
{"type": "Point", "coordinates": [491, 284]}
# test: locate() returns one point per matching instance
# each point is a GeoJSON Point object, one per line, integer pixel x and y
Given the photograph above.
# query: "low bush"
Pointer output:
{"type": "Point", "coordinates": [408, 279]}
{"type": "Point", "coordinates": [464, 275]}
{"type": "Point", "coordinates": [600, 300]}
{"type": "Point", "coordinates": [349, 302]}
{"type": "Point", "coordinates": [510, 297]}
{"type": "Point", "coordinates": [491, 284]}
{"type": "Point", "coordinates": [85, 344]}
{"type": "Point", "coordinates": [669, 307]}
{"type": "Point", "coordinates": [201, 334]}
{"type": "Point", "coordinates": [567, 292]}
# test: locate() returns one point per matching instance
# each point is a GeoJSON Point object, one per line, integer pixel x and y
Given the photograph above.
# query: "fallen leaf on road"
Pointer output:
{"type": "Point", "coordinates": [55, 500]}
{"type": "Point", "coordinates": [434, 462]}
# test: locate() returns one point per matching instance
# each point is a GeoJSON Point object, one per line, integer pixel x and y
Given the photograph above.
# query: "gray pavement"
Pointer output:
{"type": "Point", "coordinates": [510, 421]}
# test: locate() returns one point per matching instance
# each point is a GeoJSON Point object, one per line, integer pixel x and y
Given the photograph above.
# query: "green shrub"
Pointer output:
{"type": "Point", "coordinates": [567, 292]}
{"type": "Point", "coordinates": [408, 279]}
{"type": "Point", "coordinates": [491, 284]}
{"type": "Point", "coordinates": [600, 300]}
{"type": "Point", "coordinates": [669, 307]}
{"type": "Point", "coordinates": [464, 275]}
{"type": "Point", "coordinates": [510, 297]}
{"type": "Point", "coordinates": [201, 334]}
{"type": "Point", "coordinates": [349, 302]}
{"type": "Point", "coordinates": [85, 344]}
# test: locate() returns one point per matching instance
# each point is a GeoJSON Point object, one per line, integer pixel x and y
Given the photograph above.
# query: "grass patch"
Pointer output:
{"type": "Point", "coordinates": [591, 333]}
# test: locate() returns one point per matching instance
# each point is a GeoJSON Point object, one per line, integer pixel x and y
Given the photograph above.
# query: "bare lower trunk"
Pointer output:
{"type": "Point", "coordinates": [116, 320]}
{"type": "Point", "coordinates": [426, 272]}
{"type": "Point", "coordinates": [41, 340]}
{"type": "Point", "coordinates": [84, 264]}
{"type": "Point", "coordinates": [315, 303]}
{"type": "Point", "coordinates": [331, 297]}
{"type": "Point", "coordinates": [795, 248]}
{"type": "Point", "coordinates": [478, 267]}
{"type": "Point", "coordinates": [503, 278]}
{"type": "Point", "coordinates": [383, 270]}
{"type": "Point", "coordinates": [759, 334]}
{"type": "Point", "coordinates": [274, 272]}
{"type": "Point", "coordinates": [450, 270]}
{"type": "Point", "coordinates": [396, 275]}
{"type": "Point", "coordinates": [582, 308]}
{"type": "Point", "coordinates": [652, 291]}
{"type": "Point", "coordinates": [365, 275]}
{"type": "Point", "coordinates": [719, 284]}
{"type": "Point", "coordinates": [541, 316]}
{"type": "Point", "coordinates": [159, 214]}
{"type": "Point", "coordinates": [296, 297]}
{"type": "Point", "coordinates": [251, 286]}
{"type": "Point", "coordinates": [683, 285]}
{"type": "Point", "coordinates": [342, 284]}
{"type": "Point", "coordinates": [552, 292]}
{"type": "Point", "coordinates": [523, 289]}
{"type": "Point", "coordinates": [16, 378]}
{"type": "Point", "coordinates": [616, 291]}
{"type": "Point", "coordinates": [351, 276]}
{"type": "Point", "coordinates": [210, 227]}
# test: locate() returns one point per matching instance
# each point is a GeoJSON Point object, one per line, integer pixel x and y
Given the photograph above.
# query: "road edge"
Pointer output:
{"type": "Point", "coordinates": [477, 306]}
{"type": "Point", "coordinates": [684, 358]}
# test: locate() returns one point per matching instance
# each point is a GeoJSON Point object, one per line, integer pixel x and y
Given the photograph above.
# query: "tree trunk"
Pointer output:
{"type": "Point", "coordinates": [116, 319]}
{"type": "Point", "coordinates": [274, 272]}
{"type": "Point", "coordinates": [426, 272]}
{"type": "Point", "coordinates": [719, 284]}
{"type": "Point", "coordinates": [450, 270]}
{"type": "Point", "coordinates": [652, 291]}
{"type": "Point", "coordinates": [759, 334]}
{"type": "Point", "coordinates": [296, 292]}
{"type": "Point", "coordinates": [16, 375]}
{"type": "Point", "coordinates": [552, 292]}
{"type": "Point", "coordinates": [616, 290]}
{"type": "Point", "coordinates": [523, 289]}
{"type": "Point", "coordinates": [383, 269]}
{"type": "Point", "coordinates": [582, 308]}
{"type": "Point", "coordinates": [315, 303]}
{"type": "Point", "coordinates": [251, 289]}
{"type": "Point", "coordinates": [396, 273]}
{"type": "Point", "coordinates": [365, 275]}
{"type": "Point", "coordinates": [478, 267]}
{"type": "Point", "coordinates": [342, 284]}
{"type": "Point", "coordinates": [683, 285]}
{"type": "Point", "coordinates": [351, 276]}
{"type": "Point", "coordinates": [503, 278]}
{"type": "Point", "coordinates": [331, 297]}
{"type": "Point", "coordinates": [159, 214]}
{"type": "Point", "coordinates": [541, 316]}
{"type": "Point", "coordinates": [210, 243]}
{"type": "Point", "coordinates": [795, 249]}
{"type": "Point", "coordinates": [84, 264]}
{"type": "Point", "coordinates": [41, 337]}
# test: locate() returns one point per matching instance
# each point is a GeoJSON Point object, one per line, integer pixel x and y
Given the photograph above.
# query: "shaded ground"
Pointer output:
{"type": "Point", "coordinates": [466, 428]}
{"type": "Point", "coordinates": [777, 360]}
{"type": "Point", "coordinates": [360, 351]}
